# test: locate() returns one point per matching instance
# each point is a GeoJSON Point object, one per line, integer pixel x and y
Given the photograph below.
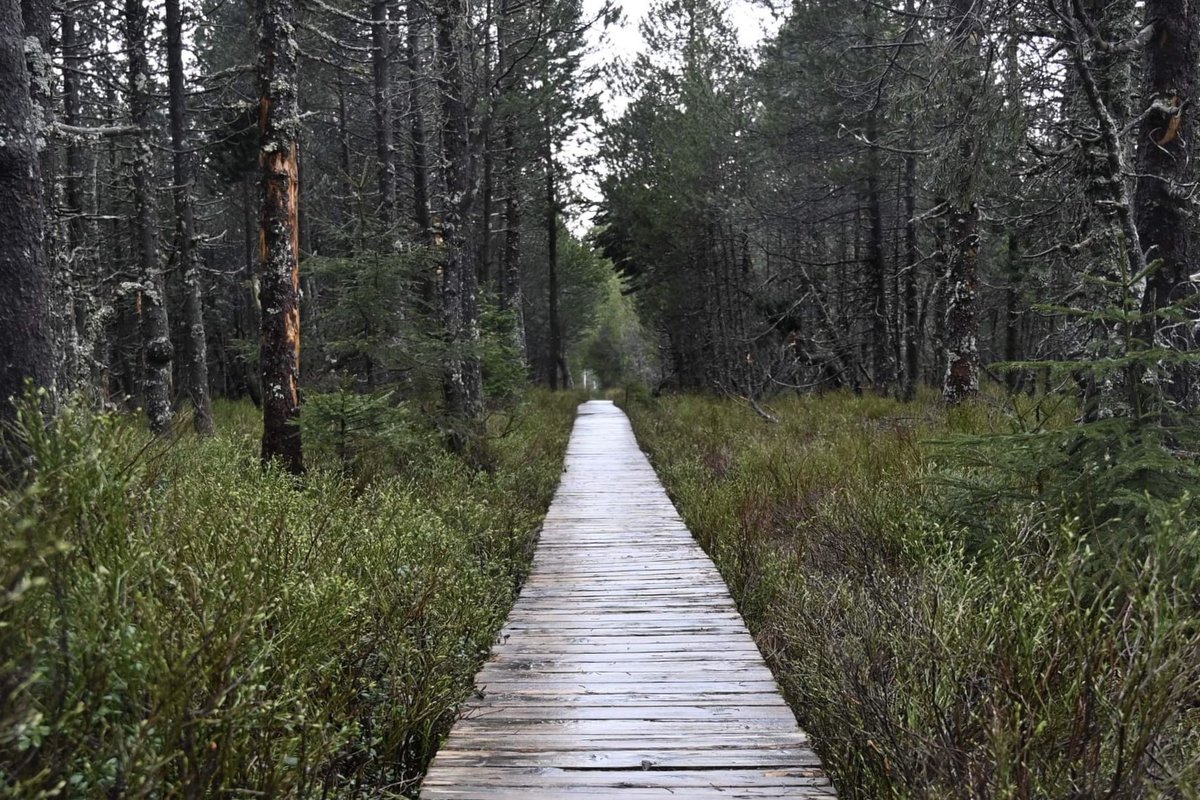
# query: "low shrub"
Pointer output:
{"type": "Point", "coordinates": [176, 622]}
{"type": "Point", "coordinates": [936, 640]}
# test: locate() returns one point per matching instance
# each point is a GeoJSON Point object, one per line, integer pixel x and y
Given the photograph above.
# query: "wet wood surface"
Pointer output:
{"type": "Point", "coordinates": [624, 670]}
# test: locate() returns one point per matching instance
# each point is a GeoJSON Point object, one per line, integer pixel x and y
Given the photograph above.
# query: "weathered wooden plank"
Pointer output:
{"type": "Point", "coordinates": [714, 792]}
{"type": "Point", "coordinates": [625, 669]}
{"type": "Point", "coordinates": [646, 779]}
{"type": "Point", "coordinates": [699, 756]}
{"type": "Point", "coordinates": [509, 714]}
{"type": "Point", "coordinates": [569, 695]}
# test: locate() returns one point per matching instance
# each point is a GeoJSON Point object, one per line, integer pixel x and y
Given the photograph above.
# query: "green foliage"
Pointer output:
{"type": "Point", "coordinates": [176, 622]}
{"type": "Point", "coordinates": [504, 372]}
{"type": "Point", "coordinates": [364, 432]}
{"type": "Point", "coordinates": [584, 280]}
{"type": "Point", "coordinates": [1000, 650]}
{"type": "Point", "coordinates": [618, 350]}
{"type": "Point", "coordinates": [370, 325]}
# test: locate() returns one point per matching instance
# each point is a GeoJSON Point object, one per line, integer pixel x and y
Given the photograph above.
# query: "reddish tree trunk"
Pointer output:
{"type": "Point", "coordinates": [279, 235]}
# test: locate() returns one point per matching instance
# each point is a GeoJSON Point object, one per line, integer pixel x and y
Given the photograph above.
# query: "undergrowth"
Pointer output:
{"type": "Point", "coordinates": [175, 622]}
{"type": "Point", "coordinates": [982, 603]}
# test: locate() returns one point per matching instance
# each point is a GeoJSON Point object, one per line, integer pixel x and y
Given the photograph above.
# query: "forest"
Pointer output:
{"type": "Point", "coordinates": [298, 299]}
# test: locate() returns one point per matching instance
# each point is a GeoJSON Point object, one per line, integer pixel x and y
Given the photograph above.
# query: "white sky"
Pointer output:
{"type": "Point", "coordinates": [754, 20]}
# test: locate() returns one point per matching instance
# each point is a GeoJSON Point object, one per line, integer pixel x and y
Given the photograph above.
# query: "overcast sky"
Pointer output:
{"type": "Point", "coordinates": [753, 20]}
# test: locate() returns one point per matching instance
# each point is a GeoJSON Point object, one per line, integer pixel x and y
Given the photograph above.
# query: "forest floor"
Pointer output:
{"type": "Point", "coordinates": [176, 623]}
{"type": "Point", "coordinates": [946, 612]}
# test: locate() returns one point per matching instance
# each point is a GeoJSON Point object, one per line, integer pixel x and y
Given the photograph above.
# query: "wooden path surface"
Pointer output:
{"type": "Point", "coordinates": [624, 670]}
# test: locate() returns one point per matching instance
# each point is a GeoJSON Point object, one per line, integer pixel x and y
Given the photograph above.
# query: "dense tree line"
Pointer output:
{"type": "Point", "coordinates": [890, 195]}
{"type": "Point", "coordinates": [184, 184]}
{"type": "Point", "coordinates": [905, 193]}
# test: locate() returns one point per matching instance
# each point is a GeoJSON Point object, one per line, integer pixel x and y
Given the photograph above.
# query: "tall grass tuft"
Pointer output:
{"type": "Point", "coordinates": [176, 622]}
{"type": "Point", "coordinates": [939, 640]}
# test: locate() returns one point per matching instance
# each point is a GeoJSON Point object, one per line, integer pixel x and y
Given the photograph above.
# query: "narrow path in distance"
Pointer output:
{"type": "Point", "coordinates": [624, 669]}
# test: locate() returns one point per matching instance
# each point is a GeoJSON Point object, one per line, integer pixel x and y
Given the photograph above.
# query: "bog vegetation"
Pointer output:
{"type": "Point", "coordinates": [981, 603]}
{"type": "Point", "coordinates": [177, 623]}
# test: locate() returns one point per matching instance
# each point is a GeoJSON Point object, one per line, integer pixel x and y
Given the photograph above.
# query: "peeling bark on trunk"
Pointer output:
{"type": "Point", "coordinates": [25, 346]}
{"type": "Point", "coordinates": [186, 257]}
{"type": "Point", "coordinates": [157, 351]}
{"type": "Point", "coordinates": [279, 235]}
{"type": "Point", "coordinates": [1165, 153]}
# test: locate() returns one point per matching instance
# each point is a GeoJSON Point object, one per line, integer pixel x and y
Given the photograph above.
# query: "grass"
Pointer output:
{"type": "Point", "coordinates": [174, 622]}
{"type": "Point", "coordinates": [943, 628]}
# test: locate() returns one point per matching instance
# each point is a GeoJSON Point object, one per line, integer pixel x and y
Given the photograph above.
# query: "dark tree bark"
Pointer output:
{"type": "Point", "coordinates": [39, 43]}
{"type": "Point", "coordinates": [912, 304]}
{"type": "Point", "coordinates": [279, 234]}
{"type": "Point", "coordinates": [420, 145]}
{"type": "Point", "coordinates": [877, 263]}
{"type": "Point", "coordinates": [511, 297]}
{"type": "Point", "coordinates": [79, 259]}
{"type": "Point", "coordinates": [1165, 151]}
{"type": "Point", "coordinates": [196, 368]}
{"type": "Point", "coordinates": [961, 381]}
{"type": "Point", "coordinates": [381, 98]}
{"type": "Point", "coordinates": [25, 346]}
{"type": "Point", "coordinates": [462, 379]}
{"type": "Point", "coordinates": [157, 351]}
{"type": "Point", "coordinates": [554, 353]}
{"type": "Point", "coordinates": [1013, 313]}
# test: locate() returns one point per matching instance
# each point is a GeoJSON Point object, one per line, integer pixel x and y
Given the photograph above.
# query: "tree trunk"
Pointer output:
{"type": "Point", "coordinates": [157, 351]}
{"type": "Point", "coordinates": [462, 381]}
{"type": "Point", "coordinates": [1013, 314]}
{"type": "Point", "coordinates": [511, 294]}
{"type": "Point", "coordinates": [961, 381]}
{"type": "Point", "coordinates": [512, 297]}
{"type": "Point", "coordinates": [385, 150]}
{"type": "Point", "coordinates": [79, 260]}
{"type": "Point", "coordinates": [554, 354]}
{"type": "Point", "coordinates": [1165, 154]}
{"type": "Point", "coordinates": [25, 346]}
{"type": "Point", "coordinates": [877, 264]}
{"type": "Point", "coordinates": [420, 144]}
{"type": "Point", "coordinates": [249, 319]}
{"type": "Point", "coordinates": [279, 235]}
{"type": "Point", "coordinates": [912, 306]}
{"type": "Point", "coordinates": [196, 368]}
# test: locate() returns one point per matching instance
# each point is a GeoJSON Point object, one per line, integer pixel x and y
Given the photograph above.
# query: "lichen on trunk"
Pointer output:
{"type": "Point", "coordinates": [279, 235]}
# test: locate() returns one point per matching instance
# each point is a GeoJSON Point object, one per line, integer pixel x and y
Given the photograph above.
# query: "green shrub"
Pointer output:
{"type": "Point", "coordinates": [175, 622]}
{"type": "Point", "coordinates": [936, 640]}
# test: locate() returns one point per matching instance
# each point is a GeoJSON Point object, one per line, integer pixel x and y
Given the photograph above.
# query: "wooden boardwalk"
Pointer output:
{"type": "Point", "coordinates": [624, 669]}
